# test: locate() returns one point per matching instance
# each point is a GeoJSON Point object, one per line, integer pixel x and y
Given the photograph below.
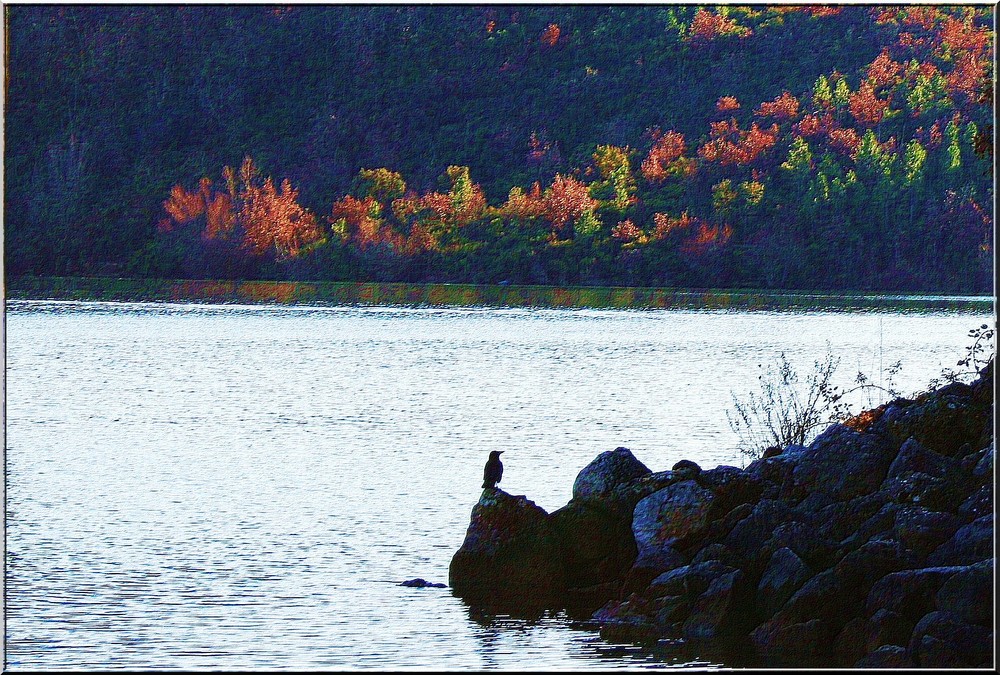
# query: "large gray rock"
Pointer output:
{"type": "Point", "coordinates": [599, 482]}
{"type": "Point", "coordinates": [511, 554]}
{"type": "Point", "coordinates": [843, 463]}
{"type": "Point", "coordinates": [670, 517]}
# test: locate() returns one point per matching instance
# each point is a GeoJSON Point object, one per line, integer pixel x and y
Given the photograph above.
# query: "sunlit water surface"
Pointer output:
{"type": "Point", "coordinates": [194, 486]}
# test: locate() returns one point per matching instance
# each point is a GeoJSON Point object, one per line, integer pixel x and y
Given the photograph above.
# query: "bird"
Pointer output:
{"type": "Point", "coordinates": [493, 470]}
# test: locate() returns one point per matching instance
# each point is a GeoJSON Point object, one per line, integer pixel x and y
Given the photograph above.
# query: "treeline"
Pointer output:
{"type": "Point", "coordinates": [822, 147]}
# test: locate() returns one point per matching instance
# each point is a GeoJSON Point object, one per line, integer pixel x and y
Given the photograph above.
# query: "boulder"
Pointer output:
{"type": "Point", "coordinates": [943, 640]}
{"type": "Point", "coordinates": [968, 594]}
{"type": "Point", "coordinates": [721, 610]}
{"type": "Point", "coordinates": [784, 575]}
{"type": "Point", "coordinates": [792, 641]}
{"type": "Point", "coordinates": [511, 554]}
{"type": "Point", "coordinates": [922, 530]}
{"type": "Point", "coordinates": [843, 463]}
{"type": "Point", "coordinates": [978, 504]}
{"type": "Point", "coordinates": [732, 487]}
{"type": "Point", "coordinates": [908, 593]}
{"type": "Point", "coordinates": [670, 517]}
{"type": "Point", "coordinates": [860, 569]}
{"type": "Point", "coordinates": [690, 580]}
{"type": "Point", "coordinates": [970, 544]}
{"type": "Point", "coordinates": [914, 457]}
{"type": "Point", "coordinates": [942, 420]}
{"type": "Point", "coordinates": [863, 636]}
{"type": "Point", "coordinates": [598, 546]}
{"type": "Point", "coordinates": [749, 539]}
{"type": "Point", "coordinates": [601, 482]}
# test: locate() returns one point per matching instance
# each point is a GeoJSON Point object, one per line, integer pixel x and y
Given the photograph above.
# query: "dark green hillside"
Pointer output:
{"type": "Point", "coordinates": [401, 132]}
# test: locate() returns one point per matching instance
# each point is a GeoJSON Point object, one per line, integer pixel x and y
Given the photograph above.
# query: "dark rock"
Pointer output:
{"type": "Point", "coordinates": [670, 517]}
{"type": "Point", "coordinates": [599, 481]}
{"type": "Point", "coordinates": [421, 583]}
{"type": "Point", "coordinates": [909, 593]}
{"type": "Point", "coordinates": [749, 537]}
{"type": "Point", "coordinates": [922, 530]}
{"type": "Point", "coordinates": [805, 542]}
{"type": "Point", "coordinates": [943, 420]}
{"type": "Point", "coordinates": [722, 609]}
{"type": "Point", "coordinates": [772, 451]}
{"type": "Point", "coordinates": [776, 470]}
{"type": "Point", "coordinates": [843, 463]}
{"type": "Point", "coordinates": [686, 468]}
{"type": "Point", "coordinates": [784, 639]}
{"type": "Point", "coordinates": [717, 552]}
{"type": "Point", "coordinates": [860, 569]}
{"type": "Point", "coordinates": [953, 643]}
{"type": "Point", "coordinates": [879, 526]}
{"type": "Point", "coordinates": [824, 597]}
{"type": "Point", "coordinates": [968, 594]}
{"type": "Point", "coordinates": [629, 620]}
{"type": "Point", "coordinates": [984, 467]}
{"type": "Point", "coordinates": [841, 519]}
{"type": "Point", "coordinates": [886, 656]}
{"type": "Point", "coordinates": [784, 575]}
{"type": "Point", "coordinates": [598, 546]}
{"type": "Point", "coordinates": [690, 580]}
{"type": "Point", "coordinates": [913, 457]}
{"type": "Point", "coordinates": [671, 609]}
{"type": "Point", "coordinates": [732, 487]}
{"type": "Point", "coordinates": [970, 544]}
{"type": "Point", "coordinates": [511, 554]}
{"type": "Point", "coordinates": [583, 602]}
{"type": "Point", "coordinates": [979, 503]}
{"type": "Point", "coordinates": [862, 636]}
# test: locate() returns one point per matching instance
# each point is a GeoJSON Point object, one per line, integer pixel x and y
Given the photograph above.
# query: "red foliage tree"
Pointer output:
{"type": "Point", "coordinates": [666, 158]}
{"type": "Point", "coordinates": [785, 107]}
{"type": "Point", "coordinates": [865, 106]}
{"type": "Point", "coordinates": [707, 26]}
{"type": "Point", "coordinates": [883, 70]}
{"type": "Point", "coordinates": [550, 36]}
{"type": "Point", "coordinates": [566, 200]}
{"type": "Point", "coordinates": [727, 103]}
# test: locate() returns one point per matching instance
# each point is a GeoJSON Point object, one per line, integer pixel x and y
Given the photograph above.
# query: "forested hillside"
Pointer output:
{"type": "Point", "coordinates": [797, 147]}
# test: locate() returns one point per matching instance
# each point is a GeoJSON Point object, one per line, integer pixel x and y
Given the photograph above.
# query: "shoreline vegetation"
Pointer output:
{"type": "Point", "coordinates": [467, 295]}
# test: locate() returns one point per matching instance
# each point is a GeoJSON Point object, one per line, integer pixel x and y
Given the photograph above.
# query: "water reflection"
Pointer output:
{"type": "Point", "coordinates": [233, 487]}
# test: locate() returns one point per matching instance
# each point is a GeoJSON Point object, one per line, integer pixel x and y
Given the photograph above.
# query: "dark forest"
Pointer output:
{"type": "Point", "coordinates": [772, 147]}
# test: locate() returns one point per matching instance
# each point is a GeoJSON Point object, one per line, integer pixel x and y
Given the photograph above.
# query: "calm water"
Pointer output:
{"type": "Point", "coordinates": [195, 486]}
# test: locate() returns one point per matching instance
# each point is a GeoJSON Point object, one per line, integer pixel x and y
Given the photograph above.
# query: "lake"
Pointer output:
{"type": "Point", "coordinates": [244, 487]}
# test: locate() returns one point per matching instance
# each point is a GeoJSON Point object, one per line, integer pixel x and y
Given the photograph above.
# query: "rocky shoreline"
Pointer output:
{"type": "Point", "coordinates": [871, 547]}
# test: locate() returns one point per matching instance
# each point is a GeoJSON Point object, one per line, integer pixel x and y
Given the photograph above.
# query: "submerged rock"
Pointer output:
{"type": "Point", "coordinates": [422, 583]}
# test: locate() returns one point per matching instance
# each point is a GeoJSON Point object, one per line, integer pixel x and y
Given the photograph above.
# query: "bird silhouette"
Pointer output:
{"type": "Point", "coordinates": [494, 470]}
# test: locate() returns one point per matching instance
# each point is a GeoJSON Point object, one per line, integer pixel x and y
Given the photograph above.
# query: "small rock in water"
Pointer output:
{"type": "Point", "coordinates": [421, 583]}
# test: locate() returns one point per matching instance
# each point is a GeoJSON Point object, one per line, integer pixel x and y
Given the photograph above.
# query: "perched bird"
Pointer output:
{"type": "Point", "coordinates": [493, 470]}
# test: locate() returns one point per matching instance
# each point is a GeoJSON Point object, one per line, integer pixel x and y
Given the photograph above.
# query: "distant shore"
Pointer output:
{"type": "Point", "coordinates": [468, 295]}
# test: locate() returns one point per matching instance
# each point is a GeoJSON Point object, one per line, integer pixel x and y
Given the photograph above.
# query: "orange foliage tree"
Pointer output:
{"type": "Point", "coordinates": [785, 107]}
{"type": "Point", "coordinates": [666, 158]}
{"type": "Point", "coordinates": [566, 200]}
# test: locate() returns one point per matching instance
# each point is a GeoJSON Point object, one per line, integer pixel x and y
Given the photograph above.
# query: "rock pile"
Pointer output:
{"type": "Point", "coordinates": [871, 547]}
